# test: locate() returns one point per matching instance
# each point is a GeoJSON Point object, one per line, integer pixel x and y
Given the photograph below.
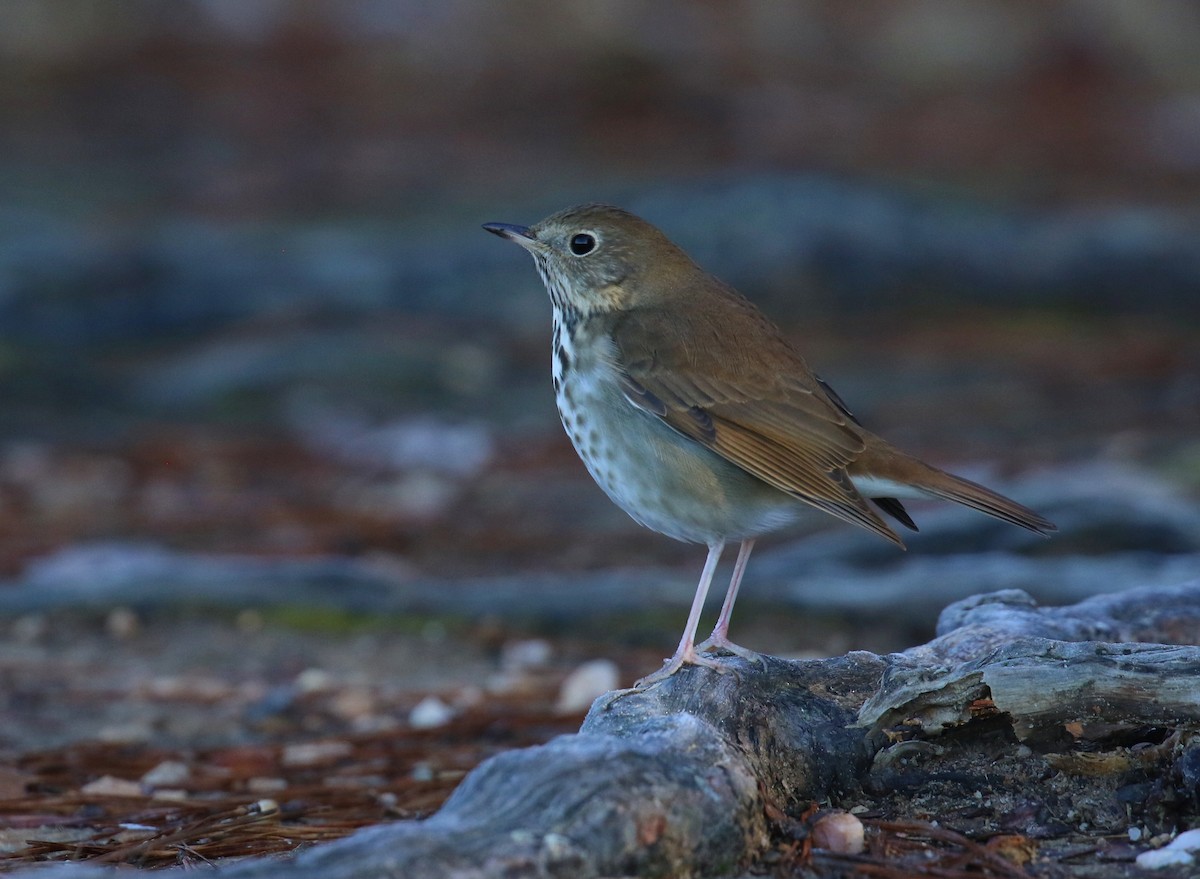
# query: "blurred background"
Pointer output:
{"type": "Point", "coordinates": [255, 347]}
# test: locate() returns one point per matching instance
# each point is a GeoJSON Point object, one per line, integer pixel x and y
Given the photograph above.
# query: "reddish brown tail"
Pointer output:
{"type": "Point", "coordinates": [885, 462]}
{"type": "Point", "coordinates": [974, 495]}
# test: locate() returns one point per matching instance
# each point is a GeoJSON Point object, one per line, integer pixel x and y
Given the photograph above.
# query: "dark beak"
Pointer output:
{"type": "Point", "coordinates": [509, 231]}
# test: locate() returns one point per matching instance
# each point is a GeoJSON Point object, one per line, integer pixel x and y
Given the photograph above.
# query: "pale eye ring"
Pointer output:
{"type": "Point", "coordinates": [582, 243]}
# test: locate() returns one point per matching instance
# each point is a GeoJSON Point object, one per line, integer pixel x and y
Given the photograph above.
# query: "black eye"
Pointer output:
{"type": "Point", "coordinates": [583, 244]}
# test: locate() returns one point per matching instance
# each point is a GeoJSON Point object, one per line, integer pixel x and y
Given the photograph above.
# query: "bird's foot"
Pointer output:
{"type": "Point", "coordinates": [720, 642]}
{"type": "Point", "coordinates": [672, 665]}
{"type": "Point", "coordinates": [675, 663]}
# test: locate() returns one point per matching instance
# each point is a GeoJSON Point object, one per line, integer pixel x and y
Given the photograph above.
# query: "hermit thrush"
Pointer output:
{"type": "Point", "coordinates": [697, 417]}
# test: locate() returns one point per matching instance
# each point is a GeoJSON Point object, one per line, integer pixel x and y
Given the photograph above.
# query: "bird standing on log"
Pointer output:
{"type": "Point", "coordinates": [698, 418]}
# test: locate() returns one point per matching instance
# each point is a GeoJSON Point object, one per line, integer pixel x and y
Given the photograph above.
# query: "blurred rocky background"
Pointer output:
{"type": "Point", "coordinates": [255, 349]}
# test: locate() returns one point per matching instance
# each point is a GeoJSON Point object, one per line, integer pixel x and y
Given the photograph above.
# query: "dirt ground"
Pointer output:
{"type": "Point", "coordinates": [121, 723]}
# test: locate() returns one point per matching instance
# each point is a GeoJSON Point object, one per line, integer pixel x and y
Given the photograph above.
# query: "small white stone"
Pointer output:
{"type": "Point", "coordinates": [585, 684]}
{"type": "Point", "coordinates": [314, 680]}
{"type": "Point", "coordinates": [430, 712]}
{"type": "Point", "coordinates": [839, 832]}
{"type": "Point", "coordinates": [353, 703]}
{"type": "Point", "coordinates": [526, 654]}
{"type": "Point", "coordinates": [314, 753]}
{"type": "Point", "coordinates": [1157, 859]}
{"type": "Point", "coordinates": [110, 786]}
{"type": "Point", "coordinates": [168, 773]}
{"type": "Point", "coordinates": [1135, 833]}
{"type": "Point", "coordinates": [1188, 841]}
{"type": "Point", "coordinates": [387, 799]}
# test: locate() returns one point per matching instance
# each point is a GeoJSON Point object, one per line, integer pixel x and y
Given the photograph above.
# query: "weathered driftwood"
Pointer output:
{"type": "Point", "coordinates": [674, 780]}
{"type": "Point", "coordinates": [1122, 659]}
{"type": "Point", "coordinates": [665, 782]}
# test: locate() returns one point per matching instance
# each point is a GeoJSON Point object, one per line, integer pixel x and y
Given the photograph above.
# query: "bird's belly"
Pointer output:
{"type": "Point", "coordinates": [664, 480]}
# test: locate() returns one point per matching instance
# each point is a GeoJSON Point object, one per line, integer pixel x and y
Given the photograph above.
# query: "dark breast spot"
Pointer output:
{"type": "Point", "coordinates": [564, 359]}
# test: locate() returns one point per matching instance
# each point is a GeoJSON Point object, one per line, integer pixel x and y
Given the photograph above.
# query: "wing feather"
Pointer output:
{"type": "Point", "coordinates": [775, 422]}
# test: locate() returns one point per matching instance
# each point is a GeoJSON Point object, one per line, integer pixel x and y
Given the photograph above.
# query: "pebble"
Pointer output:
{"type": "Point", "coordinates": [1188, 841]}
{"type": "Point", "coordinates": [263, 807]}
{"type": "Point", "coordinates": [429, 713]}
{"type": "Point", "coordinates": [314, 680]}
{"type": "Point", "coordinates": [313, 753]}
{"type": "Point", "coordinates": [585, 684]}
{"type": "Point", "coordinates": [1176, 853]}
{"type": "Point", "coordinates": [839, 832]}
{"type": "Point", "coordinates": [111, 786]}
{"type": "Point", "coordinates": [168, 773]}
{"type": "Point", "coordinates": [526, 654]}
{"type": "Point", "coordinates": [354, 704]}
{"type": "Point", "coordinates": [1160, 858]}
{"type": "Point", "coordinates": [387, 799]}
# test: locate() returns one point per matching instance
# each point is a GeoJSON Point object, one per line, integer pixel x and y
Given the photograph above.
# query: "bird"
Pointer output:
{"type": "Point", "coordinates": [699, 418]}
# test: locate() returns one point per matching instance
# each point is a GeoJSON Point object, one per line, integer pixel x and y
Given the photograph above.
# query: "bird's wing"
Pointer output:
{"type": "Point", "coordinates": [756, 404]}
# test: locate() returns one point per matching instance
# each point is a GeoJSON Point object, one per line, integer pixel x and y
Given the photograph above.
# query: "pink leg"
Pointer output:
{"type": "Point", "coordinates": [719, 639]}
{"type": "Point", "coordinates": [686, 652]}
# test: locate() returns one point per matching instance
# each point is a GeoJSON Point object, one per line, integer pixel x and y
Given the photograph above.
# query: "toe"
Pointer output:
{"type": "Point", "coordinates": [729, 647]}
{"type": "Point", "coordinates": [678, 661]}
